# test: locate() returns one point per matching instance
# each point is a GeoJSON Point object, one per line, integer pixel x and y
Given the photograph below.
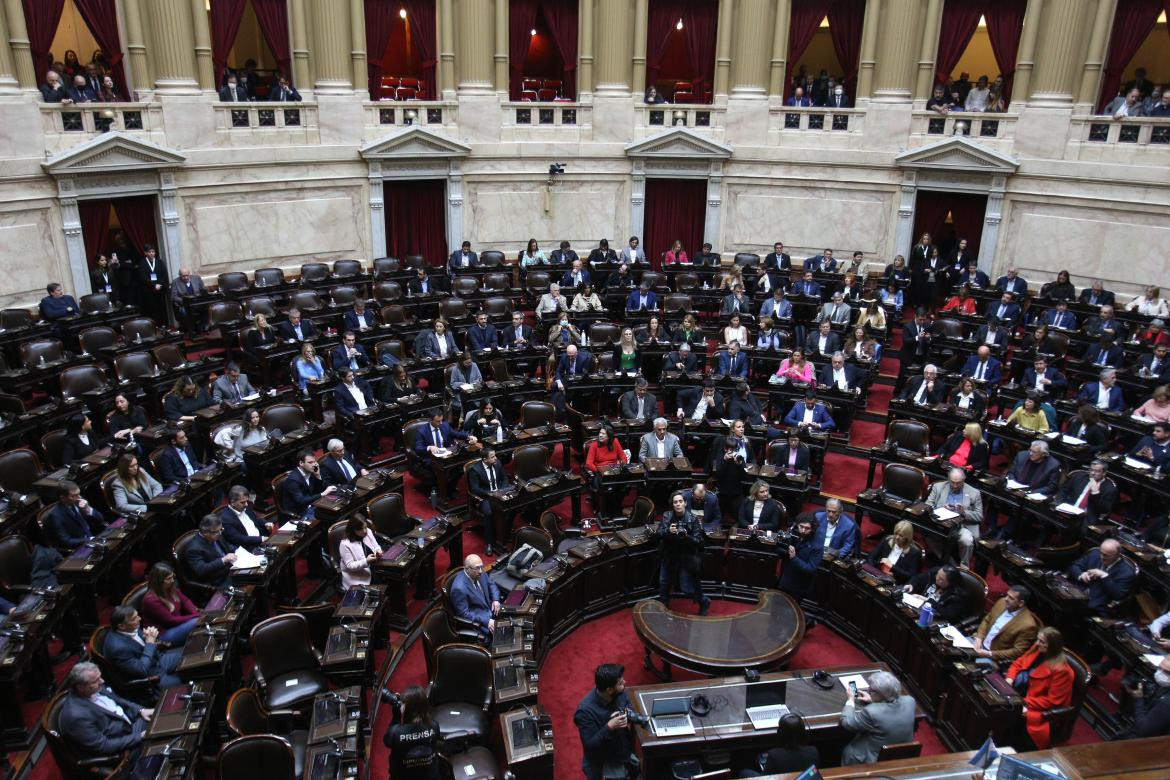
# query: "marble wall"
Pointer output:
{"type": "Point", "coordinates": [504, 214]}
{"type": "Point", "coordinates": [31, 254]}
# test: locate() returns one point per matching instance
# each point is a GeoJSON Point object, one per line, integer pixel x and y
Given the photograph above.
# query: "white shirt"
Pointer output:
{"type": "Point", "coordinates": [990, 337]}
{"type": "Point", "coordinates": [808, 413]}
{"type": "Point", "coordinates": [358, 396]}
{"type": "Point", "coordinates": [821, 342]}
{"type": "Point", "coordinates": [442, 344]}
{"type": "Point", "coordinates": [920, 396]}
{"type": "Point", "coordinates": [660, 445]}
{"type": "Point", "coordinates": [249, 527]}
{"type": "Point", "coordinates": [981, 370]}
{"type": "Point", "coordinates": [700, 409]}
{"type": "Point", "coordinates": [829, 529]}
{"type": "Point", "coordinates": [109, 705]}
{"type": "Point", "coordinates": [839, 378]}
{"type": "Point", "coordinates": [1102, 396]}
{"type": "Point", "coordinates": [135, 635]}
{"type": "Point", "coordinates": [964, 401]}
{"type": "Point", "coordinates": [895, 554]}
{"type": "Point", "coordinates": [1001, 621]}
{"type": "Point", "coordinates": [757, 510]}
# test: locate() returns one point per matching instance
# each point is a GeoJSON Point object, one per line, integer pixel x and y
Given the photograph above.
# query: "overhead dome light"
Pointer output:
{"type": "Point", "coordinates": [402, 13]}
{"type": "Point", "coordinates": [679, 25]}
{"type": "Point", "coordinates": [533, 31]}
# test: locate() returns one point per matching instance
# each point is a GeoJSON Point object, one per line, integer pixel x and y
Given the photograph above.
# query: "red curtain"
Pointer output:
{"type": "Point", "coordinates": [521, 20]}
{"type": "Point", "coordinates": [959, 22]}
{"type": "Point", "coordinates": [379, 18]}
{"type": "Point", "coordinates": [101, 17]}
{"type": "Point", "coordinates": [561, 18]}
{"type": "Point", "coordinates": [675, 208]}
{"type": "Point", "coordinates": [662, 17]}
{"type": "Point", "coordinates": [137, 218]}
{"type": "Point", "coordinates": [1132, 23]}
{"type": "Point", "coordinates": [95, 227]}
{"type": "Point", "coordinates": [700, 26]}
{"type": "Point", "coordinates": [967, 213]}
{"type": "Point", "coordinates": [846, 18]}
{"type": "Point", "coordinates": [420, 14]}
{"type": "Point", "coordinates": [225, 18]}
{"type": "Point", "coordinates": [416, 219]}
{"type": "Point", "coordinates": [1005, 22]}
{"type": "Point", "coordinates": [41, 18]}
{"type": "Point", "coordinates": [806, 18]}
{"type": "Point", "coordinates": [272, 16]}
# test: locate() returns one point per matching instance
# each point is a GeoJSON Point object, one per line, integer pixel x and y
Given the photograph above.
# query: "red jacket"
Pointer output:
{"type": "Point", "coordinates": [598, 458]}
{"type": "Point", "coordinates": [1048, 686]}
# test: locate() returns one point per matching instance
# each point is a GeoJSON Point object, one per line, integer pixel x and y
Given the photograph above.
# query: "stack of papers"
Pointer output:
{"type": "Point", "coordinates": [1153, 659]}
{"type": "Point", "coordinates": [957, 638]}
{"type": "Point", "coordinates": [288, 528]}
{"type": "Point", "coordinates": [1013, 485]}
{"type": "Point", "coordinates": [1133, 463]}
{"type": "Point", "coordinates": [246, 560]}
{"type": "Point", "coordinates": [1070, 509]}
{"type": "Point", "coordinates": [1072, 440]}
{"type": "Point", "coordinates": [942, 513]}
{"type": "Point", "coordinates": [913, 600]}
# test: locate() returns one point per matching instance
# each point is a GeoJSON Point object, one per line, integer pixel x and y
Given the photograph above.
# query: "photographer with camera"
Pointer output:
{"type": "Point", "coordinates": [603, 721]}
{"type": "Point", "coordinates": [680, 550]}
{"type": "Point", "coordinates": [801, 559]}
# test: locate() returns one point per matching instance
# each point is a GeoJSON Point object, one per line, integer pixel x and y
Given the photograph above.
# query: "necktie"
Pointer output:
{"type": "Point", "coordinates": [235, 391]}
{"type": "Point", "coordinates": [491, 475]}
{"type": "Point", "coordinates": [438, 438]}
{"type": "Point", "coordinates": [982, 368]}
{"type": "Point", "coordinates": [347, 470]}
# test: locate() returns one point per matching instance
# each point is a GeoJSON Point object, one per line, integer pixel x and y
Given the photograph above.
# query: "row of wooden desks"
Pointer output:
{"type": "Point", "coordinates": [24, 634]}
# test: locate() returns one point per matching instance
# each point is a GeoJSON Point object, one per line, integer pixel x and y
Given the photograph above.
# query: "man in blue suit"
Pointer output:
{"type": "Point", "coordinates": [95, 721]}
{"type": "Point", "coordinates": [838, 374]}
{"type": "Point", "coordinates": [57, 304]}
{"type": "Point", "coordinates": [72, 521]}
{"type": "Point", "coordinates": [1108, 576]}
{"type": "Point", "coordinates": [476, 598]}
{"type": "Point", "coordinates": [1060, 317]}
{"type": "Point", "coordinates": [296, 329]}
{"type": "Point", "coordinates": [1045, 379]}
{"type": "Point", "coordinates": [438, 434]}
{"type": "Point", "coordinates": [337, 467]}
{"type": "Point", "coordinates": [642, 299]}
{"type": "Point", "coordinates": [732, 362]}
{"type": "Point", "coordinates": [242, 527]}
{"type": "Point", "coordinates": [1104, 393]}
{"type": "Point", "coordinates": [134, 650]}
{"type": "Point", "coordinates": [704, 504]}
{"type": "Point", "coordinates": [836, 530]}
{"type": "Point", "coordinates": [982, 367]}
{"type": "Point", "coordinates": [358, 318]}
{"type": "Point", "coordinates": [573, 363]}
{"type": "Point", "coordinates": [810, 413]}
{"type": "Point", "coordinates": [1155, 448]}
{"type": "Point", "coordinates": [177, 462]}
{"type": "Point", "coordinates": [482, 335]}
{"type": "Point", "coordinates": [777, 307]}
{"type": "Point", "coordinates": [974, 278]}
{"type": "Point", "coordinates": [304, 485]}
{"type": "Point", "coordinates": [823, 262]}
{"type": "Point", "coordinates": [575, 276]}
{"type": "Point", "coordinates": [1104, 353]}
{"type": "Point", "coordinates": [1012, 282]}
{"type": "Point", "coordinates": [807, 286]}
{"type": "Point", "coordinates": [462, 259]}
{"type": "Point", "coordinates": [1005, 310]}
{"type": "Point", "coordinates": [351, 395]}
{"type": "Point", "coordinates": [349, 354]}
{"type": "Point", "coordinates": [207, 556]}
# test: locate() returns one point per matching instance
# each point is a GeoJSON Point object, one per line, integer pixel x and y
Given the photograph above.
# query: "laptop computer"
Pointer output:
{"type": "Point", "coordinates": [765, 704]}
{"type": "Point", "coordinates": [672, 717]}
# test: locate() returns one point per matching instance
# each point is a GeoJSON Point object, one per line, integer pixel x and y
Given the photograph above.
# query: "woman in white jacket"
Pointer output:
{"type": "Point", "coordinates": [357, 552]}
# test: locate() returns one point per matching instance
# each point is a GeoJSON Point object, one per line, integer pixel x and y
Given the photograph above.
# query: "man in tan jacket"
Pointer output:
{"type": "Point", "coordinates": [1007, 630]}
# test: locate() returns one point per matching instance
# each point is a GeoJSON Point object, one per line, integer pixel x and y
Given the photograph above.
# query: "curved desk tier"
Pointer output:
{"type": "Point", "coordinates": [762, 638]}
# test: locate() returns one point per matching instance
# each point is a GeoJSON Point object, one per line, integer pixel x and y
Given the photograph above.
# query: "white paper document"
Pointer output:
{"type": "Point", "coordinates": [957, 638]}
{"type": "Point", "coordinates": [246, 560]}
{"type": "Point", "coordinates": [913, 600]}
{"type": "Point", "coordinates": [1069, 509]}
{"type": "Point", "coordinates": [1013, 485]}
{"type": "Point", "coordinates": [1153, 659]}
{"type": "Point", "coordinates": [942, 513]}
{"type": "Point", "coordinates": [853, 678]}
{"type": "Point", "coordinates": [1134, 463]}
{"type": "Point", "coordinates": [1072, 440]}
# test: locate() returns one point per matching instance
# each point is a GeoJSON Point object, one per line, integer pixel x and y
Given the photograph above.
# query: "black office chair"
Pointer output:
{"type": "Point", "coordinates": [256, 755]}
{"type": "Point", "coordinates": [70, 763]}
{"type": "Point", "coordinates": [288, 667]}
{"type": "Point", "coordinates": [460, 693]}
{"type": "Point", "coordinates": [247, 716]}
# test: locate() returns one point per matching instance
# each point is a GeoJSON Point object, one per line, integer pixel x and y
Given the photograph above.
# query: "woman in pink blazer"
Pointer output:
{"type": "Point", "coordinates": [358, 550]}
{"type": "Point", "coordinates": [676, 254]}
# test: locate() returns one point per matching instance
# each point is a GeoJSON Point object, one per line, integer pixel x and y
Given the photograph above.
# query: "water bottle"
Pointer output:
{"type": "Point", "coordinates": [926, 615]}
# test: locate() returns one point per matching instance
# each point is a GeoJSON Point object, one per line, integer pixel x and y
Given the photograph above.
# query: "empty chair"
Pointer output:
{"type": "Point", "coordinates": [15, 563]}
{"type": "Point", "coordinates": [256, 755]}
{"type": "Point", "coordinates": [387, 291]}
{"type": "Point", "coordinates": [454, 309]}
{"type": "Point", "coordinates": [97, 338]}
{"type": "Point", "coordinates": [465, 285]}
{"type": "Point", "coordinates": [387, 514]}
{"type": "Point", "coordinates": [343, 295]}
{"type": "Point", "coordinates": [414, 262]}
{"type": "Point", "coordinates": [132, 366]}
{"type": "Point", "coordinates": [656, 280]}
{"type": "Point", "coordinates": [534, 414]}
{"type": "Point", "coordinates": [346, 268]}
{"type": "Point", "coordinates": [385, 266]}
{"type": "Point", "coordinates": [268, 277]}
{"type": "Point", "coordinates": [910, 435]}
{"type": "Point", "coordinates": [78, 380]}
{"type": "Point", "coordinates": [261, 304]}
{"type": "Point", "coordinates": [491, 258]}
{"type": "Point", "coordinates": [686, 280]}
{"type": "Point", "coordinates": [14, 319]}
{"type": "Point", "coordinates": [905, 482]}
{"type": "Point", "coordinates": [95, 303]}
{"type": "Point", "coordinates": [678, 304]}
{"type": "Point", "coordinates": [139, 329]}
{"type": "Point", "coordinates": [232, 282]}
{"type": "Point", "coordinates": [19, 469]}
{"type": "Point", "coordinates": [169, 355]}
{"type": "Point", "coordinates": [498, 307]}
{"type": "Point", "coordinates": [395, 314]}
{"type": "Point", "coordinates": [318, 616]}
{"type": "Point", "coordinates": [536, 282]}
{"type": "Point", "coordinates": [306, 300]}
{"type": "Point", "coordinates": [247, 716]}
{"type": "Point", "coordinates": [288, 667]}
{"type": "Point", "coordinates": [747, 258]}
{"type": "Point", "coordinates": [437, 631]}
{"type": "Point", "coordinates": [497, 281]}
{"type": "Point", "coordinates": [283, 417]}
{"type": "Point", "coordinates": [460, 693]}
{"type": "Point", "coordinates": [314, 272]}
{"type": "Point", "coordinates": [224, 313]}
{"type": "Point", "coordinates": [603, 333]}
{"type": "Point", "coordinates": [530, 461]}
{"type": "Point", "coordinates": [41, 351]}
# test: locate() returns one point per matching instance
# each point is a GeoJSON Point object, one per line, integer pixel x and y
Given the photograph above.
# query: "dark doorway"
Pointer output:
{"type": "Point", "coordinates": [675, 209]}
{"type": "Point", "coordinates": [948, 217]}
{"type": "Point", "coordinates": [416, 219]}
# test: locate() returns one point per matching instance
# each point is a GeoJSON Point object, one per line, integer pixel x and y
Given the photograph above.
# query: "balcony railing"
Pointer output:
{"type": "Point", "coordinates": [389, 114]}
{"type": "Point", "coordinates": [259, 116]}
{"type": "Point", "coordinates": [1118, 132]}
{"type": "Point", "coordinates": [561, 113]}
{"type": "Point", "coordinates": [67, 125]}
{"type": "Point", "coordinates": [983, 126]}
{"type": "Point", "coordinates": [653, 119]}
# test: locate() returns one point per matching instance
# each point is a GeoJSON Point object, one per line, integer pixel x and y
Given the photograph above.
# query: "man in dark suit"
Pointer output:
{"type": "Point", "coordinates": [822, 341]}
{"type": "Point", "coordinates": [153, 285]}
{"type": "Point", "coordinates": [637, 404]}
{"type": "Point", "coordinates": [1109, 577]}
{"type": "Point", "coordinates": [1060, 317]}
{"type": "Point", "coordinates": [178, 461]}
{"type": "Point", "coordinates": [576, 276]}
{"type": "Point", "coordinates": [732, 362]}
{"type": "Point", "coordinates": [704, 505]}
{"type": "Point", "coordinates": [232, 387]}
{"type": "Point", "coordinates": [134, 650]}
{"type": "Point", "coordinates": [823, 263]}
{"type": "Point", "coordinates": [1156, 365]}
{"type": "Point", "coordinates": [421, 284]}
{"type": "Point", "coordinates": [792, 456]}
{"type": "Point", "coordinates": [438, 434]}
{"type": "Point", "coordinates": [1012, 282]}
{"type": "Point", "coordinates": [284, 92]}
{"type": "Point", "coordinates": [1092, 491]}
{"type": "Point", "coordinates": [359, 318]}
{"type": "Point", "coordinates": [706, 398]}
{"type": "Point", "coordinates": [1105, 324]}
{"type": "Point", "coordinates": [1045, 379]}
{"type": "Point", "coordinates": [992, 334]}
{"type": "Point", "coordinates": [337, 468]}
{"type": "Point", "coordinates": [94, 720]}
{"type": "Point", "coordinates": [777, 259]}
{"type": "Point", "coordinates": [982, 367]}
{"type": "Point", "coordinates": [837, 98]}
{"type": "Point", "coordinates": [517, 335]}
{"type": "Point", "coordinates": [1036, 469]}
{"type": "Point", "coordinates": [1104, 353]}
{"type": "Point", "coordinates": [810, 413]}
{"type": "Point", "coordinates": [82, 92]}
{"type": "Point", "coordinates": [925, 389]}
{"type": "Point", "coordinates": [915, 340]}
{"type": "Point", "coordinates": [484, 477]}
{"type": "Point", "coordinates": [742, 405]}
{"type": "Point", "coordinates": [973, 277]}
{"type": "Point", "coordinates": [207, 556]}
{"type": "Point", "coordinates": [1155, 448]}
{"type": "Point", "coordinates": [573, 363]}
{"type": "Point", "coordinates": [304, 485]}
{"type": "Point", "coordinates": [72, 521]}
{"type": "Point", "coordinates": [462, 259]}
{"type": "Point", "coordinates": [807, 286]}
{"type": "Point", "coordinates": [242, 527]}
{"type": "Point", "coordinates": [1104, 393]}
{"type": "Point", "coordinates": [296, 329]}
{"type": "Point", "coordinates": [681, 359]}
{"type": "Point", "coordinates": [642, 299]}
{"type": "Point", "coordinates": [476, 598]}
{"type": "Point", "coordinates": [57, 304]}
{"type": "Point", "coordinates": [1004, 310]}
{"type": "Point", "coordinates": [838, 374]}
{"type": "Point", "coordinates": [563, 254]}
{"type": "Point", "coordinates": [918, 261]}
{"type": "Point", "coordinates": [349, 354]}
{"type": "Point", "coordinates": [759, 510]}
{"type": "Point", "coordinates": [801, 560]}
{"type": "Point", "coordinates": [482, 335]}
{"type": "Point", "coordinates": [233, 91]}
{"type": "Point", "coordinates": [1096, 295]}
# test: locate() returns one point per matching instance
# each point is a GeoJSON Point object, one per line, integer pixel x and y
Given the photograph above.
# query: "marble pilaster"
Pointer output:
{"type": "Point", "coordinates": [138, 68]}
{"type": "Point", "coordinates": [357, 44]}
{"type": "Point", "coordinates": [613, 63]}
{"type": "Point", "coordinates": [867, 58]}
{"type": "Point", "coordinates": [899, 39]}
{"type": "Point", "coordinates": [641, 21]}
{"type": "Point", "coordinates": [500, 77]}
{"type": "Point", "coordinates": [1099, 34]}
{"type": "Point", "coordinates": [446, 65]}
{"type": "Point", "coordinates": [723, 46]}
{"type": "Point", "coordinates": [753, 34]}
{"type": "Point", "coordinates": [473, 55]}
{"type": "Point", "coordinates": [1060, 53]}
{"type": "Point", "coordinates": [585, 56]}
{"type": "Point", "coordinates": [302, 66]}
{"type": "Point", "coordinates": [201, 27]}
{"type": "Point", "coordinates": [330, 52]}
{"type": "Point", "coordinates": [928, 53]}
{"type": "Point", "coordinates": [1026, 56]}
{"type": "Point", "coordinates": [8, 82]}
{"type": "Point", "coordinates": [21, 49]}
{"type": "Point", "coordinates": [172, 46]}
{"type": "Point", "coordinates": [778, 66]}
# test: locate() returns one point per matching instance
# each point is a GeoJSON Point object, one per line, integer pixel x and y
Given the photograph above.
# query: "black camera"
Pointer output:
{"type": "Point", "coordinates": [634, 719]}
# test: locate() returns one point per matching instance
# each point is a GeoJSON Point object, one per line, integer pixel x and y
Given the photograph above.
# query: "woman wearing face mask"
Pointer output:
{"type": "Point", "coordinates": [564, 333]}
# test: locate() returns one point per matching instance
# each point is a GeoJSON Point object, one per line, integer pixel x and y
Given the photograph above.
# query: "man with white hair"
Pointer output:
{"type": "Point", "coordinates": [659, 443]}
{"type": "Point", "coordinates": [926, 389]}
{"type": "Point", "coordinates": [337, 468]}
{"type": "Point", "coordinates": [97, 722]}
{"type": "Point", "coordinates": [552, 301]}
{"type": "Point", "coordinates": [1104, 393]}
{"type": "Point", "coordinates": [476, 598]}
{"type": "Point", "coordinates": [954, 495]}
{"type": "Point", "coordinates": [878, 715]}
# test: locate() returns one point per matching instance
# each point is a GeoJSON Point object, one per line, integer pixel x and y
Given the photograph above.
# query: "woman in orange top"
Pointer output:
{"type": "Point", "coordinates": [1046, 678]}
{"type": "Point", "coordinates": [962, 303]}
{"type": "Point", "coordinates": [602, 454]}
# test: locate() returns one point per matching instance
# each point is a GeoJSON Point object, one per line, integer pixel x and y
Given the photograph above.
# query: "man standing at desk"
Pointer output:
{"type": "Point", "coordinates": [680, 553]}
{"type": "Point", "coordinates": [476, 598]}
{"type": "Point", "coordinates": [607, 742]}
{"type": "Point", "coordinates": [886, 718]}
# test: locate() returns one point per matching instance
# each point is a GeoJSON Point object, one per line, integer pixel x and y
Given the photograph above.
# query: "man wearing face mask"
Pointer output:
{"type": "Point", "coordinates": [838, 99]}
{"type": "Point", "coordinates": [1151, 713]}
{"type": "Point", "coordinates": [233, 92]}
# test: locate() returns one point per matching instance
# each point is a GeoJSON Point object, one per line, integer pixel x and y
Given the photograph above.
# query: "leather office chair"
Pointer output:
{"type": "Point", "coordinates": [19, 469]}
{"type": "Point", "coordinates": [139, 329]}
{"type": "Point", "coordinates": [385, 266]}
{"type": "Point", "coordinates": [642, 512]}
{"type": "Point", "coordinates": [224, 313]}
{"type": "Point", "coordinates": [70, 763]}
{"type": "Point", "coordinates": [604, 334]}
{"type": "Point", "coordinates": [677, 304]}
{"type": "Point", "coordinates": [1058, 557]}
{"type": "Point", "coordinates": [746, 258]}
{"type": "Point", "coordinates": [905, 482]}
{"type": "Point", "coordinates": [15, 563]}
{"type": "Point", "coordinates": [132, 366]}
{"type": "Point", "coordinates": [414, 262]}
{"type": "Point", "coordinates": [142, 691]}
{"type": "Point", "coordinates": [95, 303]}
{"type": "Point", "coordinates": [497, 280]}
{"type": "Point", "coordinates": [454, 309]}
{"type": "Point", "coordinates": [78, 380]}
{"type": "Point", "coordinates": [465, 285]}
{"type": "Point", "coordinates": [975, 589]}
{"type": "Point", "coordinates": [414, 462]}
{"type": "Point", "coordinates": [491, 258]}
{"type": "Point", "coordinates": [169, 355]}
{"type": "Point", "coordinates": [196, 590]}
{"type": "Point", "coordinates": [232, 282]}
{"type": "Point", "coordinates": [318, 616]}
{"type": "Point", "coordinates": [536, 283]}
{"type": "Point", "coordinates": [97, 338]}
{"type": "Point", "coordinates": [1061, 720]}
{"type": "Point", "coordinates": [656, 280]}
{"type": "Point", "coordinates": [345, 268]}
{"type": "Point", "coordinates": [460, 693]}
{"type": "Point", "coordinates": [53, 447]}
{"type": "Point", "coordinates": [530, 461]}
{"type": "Point", "coordinates": [394, 315]}
{"type": "Point", "coordinates": [387, 514]}
{"type": "Point", "coordinates": [534, 536]}
{"type": "Point", "coordinates": [437, 631]}
{"type": "Point", "coordinates": [394, 346]}
{"type": "Point", "coordinates": [945, 326]}
{"type": "Point", "coordinates": [285, 417]}
{"type": "Point", "coordinates": [261, 305]}
{"type": "Point", "coordinates": [387, 291]}
{"type": "Point", "coordinates": [501, 371]}
{"type": "Point", "coordinates": [267, 277]}
{"type": "Point", "coordinates": [534, 414]}
{"type": "Point", "coordinates": [1055, 345]}
{"type": "Point", "coordinates": [910, 435]}
{"type": "Point", "coordinates": [314, 272]}
{"type": "Point", "coordinates": [331, 553]}
{"type": "Point", "coordinates": [14, 319]}
{"type": "Point", "coordinates": [256, 755]}
{"type": "Point", "coordinates": [247, 716]}
{"type": "Point", "coordinates": [343, 295]}
{"type": "Point", "coordinates": [498, 307]}
{"type": "Point", "coordinates": [133, 597]}
{"type": "Point", "coordinates": [31, 352]}
{"type": "Point", "coordinates": [563, 540]}
{"type": "Point", "coordinates": [307, 301]}
{"type": "Point", "coordinates": [686, 280]}
{"type": "Point", "coordinates": [288, 668]}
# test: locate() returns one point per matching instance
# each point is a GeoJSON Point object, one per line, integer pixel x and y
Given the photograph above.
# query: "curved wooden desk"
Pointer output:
{"type": "Point", "coordinates": [762, 638]}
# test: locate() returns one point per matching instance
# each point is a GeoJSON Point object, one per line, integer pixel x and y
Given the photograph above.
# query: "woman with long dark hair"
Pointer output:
{"type": "Point", "coordinates": [414, 739]}
{"type": "Point", "coordinates": [165, 606]}
{"type": "Point", "coordinates": [80, 439]}
{"type": "Point", "coordinates": [1045, 678]}
{"type": "Point", "coordinates": [132, 487]}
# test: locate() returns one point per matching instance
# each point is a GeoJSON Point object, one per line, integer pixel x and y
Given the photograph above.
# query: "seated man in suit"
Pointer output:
{"type": "Point", "coordinates": [552, 302]}
{"type": "Point", "coordinates": [284, 92]}
{"type": "Point", "coordinates": [563, 254]}
{"type": "Point", "coordinates": [993, 334]}
{"type": "Point", "coordinates": [1155, 448]}
{"type": "Point", "coordinates": [698, 403]}
{"type": "Point", "coordinates": [1105, 323]}
{"type": "Point", "coordinates": [232, 387]}
{"type": "Point", "coordinates": [517, 335]}
{"type": "Point", "coordinates": [777, 307]}
{"type": "Point", "coordinates": [1156, 365]}
{"type": "Point", "coordinates": [188, 286]}
{"type": "Point", "coordinates": [638, 404]}
{"type": "Point", "coordinates": [421, 284]}
{"type": "Point", "coordinates": [732, 362]}
{"type": "Point", "coordinates": [1005, 310]}
{"type": "Point", "coordinates": [973, 277]}
{"type": "Point", "coordinates": [759, 511]}
{"type": "Point", "coordinates": [351, 395]}
{"type": "Point", "coordinates": [1104, 393]}
{"type": "Point", "coordinates": [95, 721]}
{"type": "Point", "coordinates": [462, 259]}
{"type": "Point", "coordinates": [736, 302]}
{"type": "Point", "coordinates": [836, 311]}
{"type": "Point", "coordinates": [955, 495]}
{"type": "Point", "coordinates": [349, 354]}
{"type": "Point", "coordinates": [337, 467]}
{"type": "Point", "coordinates": [642, 299]}
{"type": "Point", "coordinates": [926, 389]}
{"type": "Point", "coordinates": [207, 556]}
{"type": "Point", "coordinates": [704, 505]}
{"type": "Point", "coordinates": [810, 413]}
{"type": "Point", "coordinates": [839, 375]}
{"type": "Point", "coordinates": [304, 485]}
{"type": "Point", "coordinates": [777, 259]}
{"type": "Point", "coordinates": [358, 318]}
{"type": "Point", "coordinates": [482, 335]}
{"type": "Point", "coordinates": [134, 650]}
{"type": "Point", "coordinates": [1036, 469]}
{"type": "Point", "coordinates": [296, 329]}
{"type": "Point", "coordinates": [1007, 630]}
{"type": "Point", "coordinates": [1108, 576]}
{"type": "Point", "coordinates": [807, 286]}
{"type": "Point", "coordinates": [1045, 380]}
{"type": "Point", "coordinates": [1090, 490]}
{"type": "Point", "coordinates": [574, 363]}
{"type": "Point", "coordinates": [1012, 282]}
{"type": "Point", "coordinates": [878, 715]}
{"type": "Point", "coordinates": [475, 598]}
{"type": "Point", "coordinates": [1104, 353]}
{"type": "Point", "coordinates": [576, 276]}
{"type": "Point", "coordinates": [823, 263]}
{"type": "Point", "coordinates": [438, 434]}
{"type": "Point", "coordinates": [659, 443]}
{"type": "Point", "coordinates": [745, 406]}
{"type": "Point", "coordinates": [1096, 295]}
{"type": "Point", "coordinates": [982, 367]}
{"type": "Point", "coordinates": [1060, 317]}
{"type": "Point", "coordinates": [177, 462]}
{"type": "Point", "coordinates": [681, 359]}
{"type": "Point", "coordinates": [836, 530]}
{"type": "Point", "coordinates": [792, 456]}
{"type": "Point", "coordinates": [484, 477]}
{"type": "Point", "coordinates": [242, 527]}
{"type": "Point", "coordinates": [823, 341]}
{"type": "Point", "coordinates": [72, 521]}
{"type": "Point", "coordinates": [57, 304]}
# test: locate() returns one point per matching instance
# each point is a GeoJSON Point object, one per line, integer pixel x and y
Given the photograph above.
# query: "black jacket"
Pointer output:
{"type": "Point", "coordinates": [205, 561]}
{"type": "Point", "coordinates": [908, 562]}
{"type": "Point", "coordinates": [949, 606]}
{"type": "Point", "coordinates": [770, 517]}
{"type": "Point", "coordinates": [684, 549]}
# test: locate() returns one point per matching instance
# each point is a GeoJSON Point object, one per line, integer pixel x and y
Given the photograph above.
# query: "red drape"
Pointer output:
{"type": "Point", "coordinates": [1132, 23]}
{"type": "Point", "coordinates": [846, 18]}
{"type": "Point", "coordinates": [379, 18]}
{"type": "Point", "coordinates": [959, 22]}
{"type": "Point", "coordinates": [1005, 22]}
{"type": "Point", "coordinates": [802, 26]}
{"type": "Point", "coordinates": [662, 17]}
{"type": "Point", "coordinates": [101, 17]}
{"type": "Point", "coordinates": [561, 17]}
{"type": "Point", "coordinates": [967, 213]}
{"type": "Point", "coordinates": [225, 19]}
{"type": "Point", "coordinates": [272, 16]}
{"type": "Point", "coordinates": [95, 227]}
{"type": "Point", "coordinates": [521, 20]}
{"type": "Point", "coordinates": [700, 26]}
{"type": "Point", "coordinates": [420, 14]}
{"type": "Point", "coordinates": [675, 208]}
{"type": "Point", "coordinates": [41, 18]}
{"type": "Point", "coordinates": [137, 218]}
{"type": "Point", "coordinates": [416, 219]}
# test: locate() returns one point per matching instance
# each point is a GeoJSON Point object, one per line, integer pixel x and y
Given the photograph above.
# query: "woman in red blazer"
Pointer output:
{"type": "Point", "coordinates": [1047, 682]}
{"type": "Point", "coordinates": [603, 453]}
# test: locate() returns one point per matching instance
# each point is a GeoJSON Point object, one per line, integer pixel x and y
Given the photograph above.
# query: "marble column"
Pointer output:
{"type": "Point", "coordinates": [172, 46]}
{"type": "Point", "coordinates": [638, 197]}
{"type": "Point", "coordinates": [500, 60]}
{"type": "Point", "coordinates": [723, 46]}
{"type": "Point", "coordinates": [867, 58]}
{"type": "Point", "coordinates": [907, 199]}
{"type": "Point", "coordinates": [615, 31]}
{"type": "Point", "coordinates": [454, 205]}
{"type": "Point", "coordinates": [205, 68]}
{"type": "Point", "coordinates": [1060, 52]}
{"type": "Point", "coordinates": [329, 33]}
{"type": "Point", "coordinates": [8, 82]}
{"type": "Point", "coordinates": [753, 36]}
{"type": "Point", "coordinates": [357, 45]}
{"type": "Point", "coordinates": [138, 70]}
{"type": "Point", "coordinates": [17, 37]}
{"type": "Point", "coordinates": [928, 52]}
{"type": "Point", "coordinates": [474, 52]}
{"type": "Point", "coordinates": [714, 203]}
{"type": "Point", "coordinates": [897, 42]}
{"type": "Point", "coordinates": [302, 66]}
{"type": "Point", "coordinates": [1026, 56]}
{"type": "Point", "coordinates": [641, 21]}
{"type": "Point", "coordinates": [584, 48]}
{"type": "Point", "coordinates": [377, 209]}
{"type": "Point", "coordinates": [172, 237]}
{"type": "Point", "coordinates": [992, 217]}
{"type": "Point", "coordinates": [445, 75]}
{"type": "Point", "coordinates": [778, 67]}
{"type": "Point", "coordinates": [1099, 35]}
{"type": "Point", "coordinates": [74, 242]}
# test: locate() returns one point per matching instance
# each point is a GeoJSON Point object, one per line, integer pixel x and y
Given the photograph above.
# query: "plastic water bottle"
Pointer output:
{"type": "Point", "coordinates": [926, 615]}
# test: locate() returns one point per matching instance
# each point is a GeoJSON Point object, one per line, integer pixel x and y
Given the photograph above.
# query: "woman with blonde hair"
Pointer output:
{"type": "Point", "coordinates": [966, 448]}
{"type": "Point", "coordinates": [309, 367]}
{"type": "Point", "coordinates": [898, 555]}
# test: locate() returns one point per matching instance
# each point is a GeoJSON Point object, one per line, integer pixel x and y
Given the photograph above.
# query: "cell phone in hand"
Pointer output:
{"type": "Point", "coordinates": [853, 687]}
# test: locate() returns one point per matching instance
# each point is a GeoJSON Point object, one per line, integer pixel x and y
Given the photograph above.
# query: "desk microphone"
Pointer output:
{"type": "Point", "coordinates": [172, 749]}
{"type": "Point", "coordinates": [195, 697]}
